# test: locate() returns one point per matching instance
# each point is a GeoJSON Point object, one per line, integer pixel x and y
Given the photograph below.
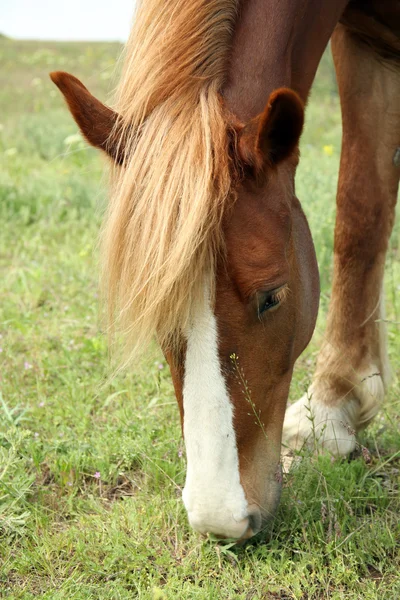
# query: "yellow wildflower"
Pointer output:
{"type": "Point", "coordinates": [328, 150]}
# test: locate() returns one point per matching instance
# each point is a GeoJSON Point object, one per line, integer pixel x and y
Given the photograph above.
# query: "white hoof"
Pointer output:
{"type": "Point", "coordinates": [314, 424]}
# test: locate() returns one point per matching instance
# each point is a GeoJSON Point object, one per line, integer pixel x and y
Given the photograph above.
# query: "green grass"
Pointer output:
{"type": "Point", "coordinates": [67, 534]}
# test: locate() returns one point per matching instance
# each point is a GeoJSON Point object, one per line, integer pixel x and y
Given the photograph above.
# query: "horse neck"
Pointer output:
{"type": "Point", "coordinates": [277, 44]}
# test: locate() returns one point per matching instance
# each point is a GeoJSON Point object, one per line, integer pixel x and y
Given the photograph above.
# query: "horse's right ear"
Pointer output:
{"type": "Point", "coordinates": [98, 123]}
{"type": "Point", "coordinates": [273, 135]}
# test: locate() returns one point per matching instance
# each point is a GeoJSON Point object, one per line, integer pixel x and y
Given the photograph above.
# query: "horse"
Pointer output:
{"type": "Point", "coordinates": [206, 246]}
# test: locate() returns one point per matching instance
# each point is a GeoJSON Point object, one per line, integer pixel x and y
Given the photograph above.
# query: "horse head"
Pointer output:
{"type": "Point", "coordinates": [257, 311]}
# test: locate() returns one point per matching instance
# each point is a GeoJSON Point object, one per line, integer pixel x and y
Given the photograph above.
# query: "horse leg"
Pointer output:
{"type": "Point", "coordinates": [352, 368]}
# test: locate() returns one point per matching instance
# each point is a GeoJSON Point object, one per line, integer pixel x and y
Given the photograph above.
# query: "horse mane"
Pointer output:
{"type": "Point", "coordinates": [162, 231]}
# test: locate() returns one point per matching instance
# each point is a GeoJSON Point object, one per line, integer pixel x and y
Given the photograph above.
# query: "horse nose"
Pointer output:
{"type": "Point", "coordinates": [227, 527]}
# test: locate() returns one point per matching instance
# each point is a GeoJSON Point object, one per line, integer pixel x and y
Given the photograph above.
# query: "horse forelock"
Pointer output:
{"type": "Point", "coordinates": [162, 231]}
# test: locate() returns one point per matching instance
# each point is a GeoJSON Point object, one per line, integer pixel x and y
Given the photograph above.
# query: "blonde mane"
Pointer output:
{"type": "Point", "coordinates": [162, 232]}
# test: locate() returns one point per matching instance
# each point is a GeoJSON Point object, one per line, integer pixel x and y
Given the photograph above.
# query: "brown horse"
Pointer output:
{"type": "Point", "coordinates": [206, 245]}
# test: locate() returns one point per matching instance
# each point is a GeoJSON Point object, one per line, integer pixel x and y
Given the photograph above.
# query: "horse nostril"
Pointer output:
{"type": "Point", "coordinates": [255, 520]}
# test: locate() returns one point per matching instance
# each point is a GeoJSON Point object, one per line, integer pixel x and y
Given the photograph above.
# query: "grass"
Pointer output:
{"type": "Point", "coordinates": [91, 471]}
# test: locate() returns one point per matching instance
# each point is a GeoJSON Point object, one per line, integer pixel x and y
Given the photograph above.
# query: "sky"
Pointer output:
{"type": "Point", "coordinates": [66, 19]}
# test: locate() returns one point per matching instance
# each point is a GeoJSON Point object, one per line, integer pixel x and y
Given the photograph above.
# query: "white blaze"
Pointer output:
{"type": "Point", "coordinates": [213, 495]}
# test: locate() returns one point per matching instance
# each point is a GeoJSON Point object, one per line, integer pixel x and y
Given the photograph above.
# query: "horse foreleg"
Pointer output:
{"type": "Point", "coordinates": [352, 368]}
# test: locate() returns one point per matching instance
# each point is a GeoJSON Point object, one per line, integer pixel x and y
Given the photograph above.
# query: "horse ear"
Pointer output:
{"type": "Point", "coordinates": [272, 136]}
{"type": "Point", "coordinates": [99, 124]}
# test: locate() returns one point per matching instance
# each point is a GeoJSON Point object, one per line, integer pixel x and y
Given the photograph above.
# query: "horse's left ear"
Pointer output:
{"type": "Point", "coordinates": [98, 123]}
{"type": "Point", "coordinates": [272, 136]}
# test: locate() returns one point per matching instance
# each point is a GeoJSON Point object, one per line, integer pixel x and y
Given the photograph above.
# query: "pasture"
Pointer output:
{"type": "Point", "coordinates": [91, 469]}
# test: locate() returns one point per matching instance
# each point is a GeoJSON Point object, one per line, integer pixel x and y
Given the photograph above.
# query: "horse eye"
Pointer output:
{"type": "Point", "coordinates": [268, 300]}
